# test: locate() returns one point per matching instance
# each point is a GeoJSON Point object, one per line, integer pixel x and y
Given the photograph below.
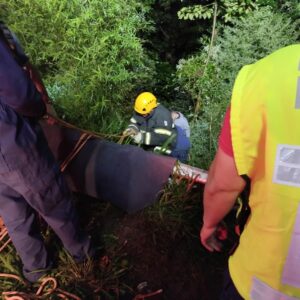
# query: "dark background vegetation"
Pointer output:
{"type": "Point", "coordinates": [95, 57]}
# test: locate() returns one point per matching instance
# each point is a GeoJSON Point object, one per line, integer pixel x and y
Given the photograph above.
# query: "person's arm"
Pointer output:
{"type": "Point", "coordinates": [159, 136]}
{"type": "Point", "coordinates": [16, 88]}
{"type": "Point", "coordinates": [133, 127]}
{"type": "Point", "coordinates": [221, 191]}
{"type": "Point", "coordinates": [134, 124]}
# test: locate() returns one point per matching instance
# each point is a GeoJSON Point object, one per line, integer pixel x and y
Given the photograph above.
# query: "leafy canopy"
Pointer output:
{"type": "Point", "coordinates": [247, 40]}
{"type": "Point", "coordinates": [228, 10]}
{"type": "Point", "coordinates": [90, 52]}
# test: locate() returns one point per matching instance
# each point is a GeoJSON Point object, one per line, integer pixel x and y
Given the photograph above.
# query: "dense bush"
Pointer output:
{"type": "Point", "coordinates": [249, 39]}
{"type": "Point", "coordinates": [88, 51]}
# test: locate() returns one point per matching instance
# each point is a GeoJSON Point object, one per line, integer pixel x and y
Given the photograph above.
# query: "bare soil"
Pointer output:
{"type": "Point", "coordinates": [158, 257]}
{"type": "Point", "coordinates": [178, 266]}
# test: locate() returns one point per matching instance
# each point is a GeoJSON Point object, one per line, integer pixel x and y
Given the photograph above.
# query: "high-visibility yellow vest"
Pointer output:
{"type": "Point", "coordinates": [265, 129]}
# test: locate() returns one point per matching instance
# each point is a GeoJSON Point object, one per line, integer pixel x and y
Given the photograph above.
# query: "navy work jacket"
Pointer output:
{"type": "Point", "coordinates": [20, 106]}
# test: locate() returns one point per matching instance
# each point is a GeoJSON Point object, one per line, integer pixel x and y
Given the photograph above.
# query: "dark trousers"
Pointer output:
{"type": "Point", "coordinates": [229, 291]}
{"type": "Point", "coordinates": [181, 155]}
{"type": "Point", "coordinates": [182, 147]}
{"type": "Point", "coordinates": [40, 188]}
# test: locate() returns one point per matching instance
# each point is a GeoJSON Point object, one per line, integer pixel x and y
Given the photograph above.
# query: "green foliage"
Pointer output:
{"type": "Point", "coordinates": [251, 39]}
{"type": "Point", "coordinates": [292, 8]}
{"type": "Point", "coordinates": [179, 210]}
{"type": "Point", "coordinates": [248, 40]}
{"type": "Point", "coordinates": [88, 51]}
{"type": "Point", "coordinates": [196, 12]}
{"type": "Point", "coordinates": [228, 10]}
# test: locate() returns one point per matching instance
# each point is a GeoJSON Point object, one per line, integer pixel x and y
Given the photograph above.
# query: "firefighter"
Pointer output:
{"type": "Point", "coordinates": [152, 126]}
{"type": "Point", "coordinates": [31, 183]}
{"type": "Point", "coordinates": [260, 141]}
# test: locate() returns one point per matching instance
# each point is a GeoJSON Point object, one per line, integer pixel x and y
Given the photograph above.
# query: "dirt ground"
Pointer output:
{"type": "Point", "coordinates": [158, 260]}
{"type": "Point", "coordinates": [180, 267]}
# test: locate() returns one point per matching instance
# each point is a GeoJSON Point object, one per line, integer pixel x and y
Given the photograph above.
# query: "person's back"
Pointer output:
{"type": "Point", "coordinates": [265, 127]}
{"type": "Point", "coordinates": [181, 121]}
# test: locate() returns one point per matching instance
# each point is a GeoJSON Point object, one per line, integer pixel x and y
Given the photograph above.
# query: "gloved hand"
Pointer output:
{"type": "Point", "coordinates": [137, 138]}
{"type": "Point", "coordinates": [130, 131]}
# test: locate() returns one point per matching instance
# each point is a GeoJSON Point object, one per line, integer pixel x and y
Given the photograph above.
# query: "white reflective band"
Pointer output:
{"type": "Point", "coordinates": [147, 138]}
{"type": "Point", "coordinates": [162, 150]}
{"type": "Point", "coordinates": [261, 291]}
{"type": "Point", "coordinates": [297, 105]}
{"type": "Point", "coordinates": [287, 165]}
{"type": "Point", "coordinates": [132, 120]}
{"type": "Point", "coordinates": [163, 131]}
{"type": "Point", "coordinates": [291, 269]}
{"type": "Point", "coordinates": [133, 126]}
{"type": "Point", "coordinates": [166, 123]}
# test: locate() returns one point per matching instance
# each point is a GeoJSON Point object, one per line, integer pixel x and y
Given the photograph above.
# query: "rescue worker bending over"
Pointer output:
{"type": "Point", "coordinates": [260, 140]}
{"type": "Point", "coordinates": [30, 180]}
{"type": "Point", "coordinates": [152, 126]}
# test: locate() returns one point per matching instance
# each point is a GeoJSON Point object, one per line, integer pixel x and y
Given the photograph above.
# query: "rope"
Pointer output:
{"type": "Point", "coordinates": [84, 137]}
{"type": "Point", "coordinates": [41, 292]}
{"type": "Point", "coordinates": [68, 125]}
{"type": "Point", "coordinates": [3, 234]}
{"type": "Point", "coordinates": [123, 136]}
{"type": "Point", "coordinates": [5, 275]}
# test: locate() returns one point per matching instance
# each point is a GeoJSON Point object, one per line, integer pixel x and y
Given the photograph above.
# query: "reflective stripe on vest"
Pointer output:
{"type": "Point", "coordinates": [291, 269]}
{"type": "Point", "coordinates": [163, 131]}
{"type": "Point", "coordinates": [133, 120]}
{"type": "Point", "coordinates": [261, 291]}
{"type": "Point", "coordinates": [287, 165]}
{"type": "Point", "coordinates": [297, 106]}
{"type": "Point", "coordinates": [147, 138]}
{"type": "Point", "coordinates": [265, 128]}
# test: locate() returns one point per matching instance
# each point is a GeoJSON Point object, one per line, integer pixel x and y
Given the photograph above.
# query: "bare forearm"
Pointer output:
{"type": "Point", "coordinates": [217, 205]}
{"type": "Point", "coordinates": [221, 190]}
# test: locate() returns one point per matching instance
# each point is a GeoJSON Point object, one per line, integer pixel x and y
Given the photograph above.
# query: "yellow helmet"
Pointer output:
{"type": "Point", "coordinates": [144, 103]}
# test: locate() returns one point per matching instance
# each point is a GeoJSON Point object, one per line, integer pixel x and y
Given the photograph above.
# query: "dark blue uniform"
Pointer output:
{"type": "Point", "coordinates": [182, 146]}
{"type": "Point", "coordinates": [30, 179]}
{"type": "Point", "coordinates": [158, 128]}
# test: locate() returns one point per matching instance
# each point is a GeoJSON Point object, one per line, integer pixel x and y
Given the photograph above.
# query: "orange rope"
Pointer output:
{"type": "Point", "coordinates": [15, 296]}
{"type": "Point", "coordinates": [84, 137]}
{"type": "Point", "coordinates": [121, 140]}
{"type": "Point", "coordinates": [40, 293]}
{"type": "Point", "coordinates": [79, 145]}
{"type": "Point", "coordinates": [69, 125]}
{"type": "Point", "coordinates": [44, 283]}
{"type": "Point", "coordinates": [3, 234]}
{"type": "Point", "coordinates": [5, 244]}
{"type": "Point", "coordinates": [5, 275]}
{"type": "Point", "coordinates": [53, 289]}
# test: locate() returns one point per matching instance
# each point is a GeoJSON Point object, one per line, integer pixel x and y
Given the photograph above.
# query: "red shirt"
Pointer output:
{"type": "Point", "coordinates": [225, 142]}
